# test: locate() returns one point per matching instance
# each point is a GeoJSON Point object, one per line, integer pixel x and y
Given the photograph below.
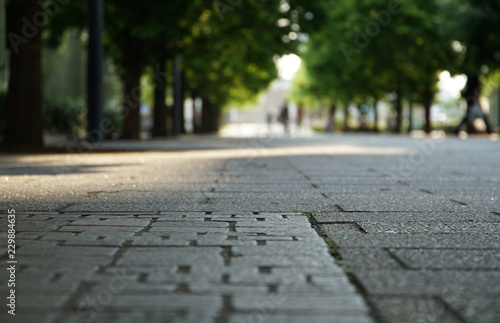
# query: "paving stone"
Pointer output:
{"type": "Point", "coordinates": [452, 217]}
{"type": "Point", "coordinates": [28, 317]}
{"type": "Point", "coordinates": [64, 251]}
{"type": "Point", "coordinates": [446, 282]}
{"type": "Point", "coordinates": [188, 229]}
{"type": "Point", "coordinates": [449, 259]}
{"type": "Point", "coordinates": [104, 221]}
{"type": "Point", "coordinates": [297, 318]}
{"type": "Point", "coordinates": [96, 228]}
{"type": "Point", "coordinates": [143, 256]}
{"type": "Point", "coordinates": [433, 241]}
{"type": "Point", "coordinates": [341, 228]}
{"type": "Point", "coordinates": [364, 259]}
{"type": "Point", "coordinates": [348, 305]}
{"type": "Point", "coordinates": [476, 309]}
{"type": "Point", "coordinates": [38, 226]}
{"type": "Point", "coordinates": [395, 202]}
{"type": "Point", "coordinates": [129, 316]}
{"type": "Point", "coordinates": [413, 310]}
{"type": "Point", "coordinates": [431, 227]}
{"type": "Point", "coordinates": [208, 305]}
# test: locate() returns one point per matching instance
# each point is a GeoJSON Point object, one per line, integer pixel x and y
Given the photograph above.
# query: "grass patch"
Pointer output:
{"type": "Point", "coordinates": [345, 267]}
{"type": "Point", "coordinates": [334, 251]}
{"type": "Point", "coordinates": [308, 214]}
{"type": "Point", "coordinates": [331, 244]}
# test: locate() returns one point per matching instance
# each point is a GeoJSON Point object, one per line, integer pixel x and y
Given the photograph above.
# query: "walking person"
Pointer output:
{"type": "Point", "coordinates": [284, 116]}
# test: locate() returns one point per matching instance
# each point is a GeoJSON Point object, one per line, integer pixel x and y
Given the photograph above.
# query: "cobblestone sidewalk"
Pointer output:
{"type": "Point", "coordinates": [209, 230]}
{"type": "Point", "coordinates": [177, 267]}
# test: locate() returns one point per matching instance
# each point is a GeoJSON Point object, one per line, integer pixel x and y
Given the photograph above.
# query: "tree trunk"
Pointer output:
{"type": "Point", "coordinates": [160, 106]}
{"type": "Point", "coordinates": [131, 77]}
{"type": "Point", "coordinates": [131, 103]}
{"type": "Point", "coordinates": [330, 127]}
{"type": "Point", "coordinates": [427, 106]}
{"type": "Point", "coordinates": [410, 107]}
{"type": "Point", "coordinates": [24, 97]}
{"type": "Point", "coordinates": [399, 110]}
{"type": "Point", "coordinates": [375, 103]}
{"type": "Point", "coordinates": [362, 117]}
{"type": "Point", "coordinates": [197, 126]}
{"type": "Point", "coordinates": [346, 116]}
{"type": "Point", "coordinates": [209, 117]}
{"type": "Point", "coordinates": [183, 99]}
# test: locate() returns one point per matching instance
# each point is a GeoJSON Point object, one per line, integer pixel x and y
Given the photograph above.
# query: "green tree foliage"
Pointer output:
{"type": "Point", "coordinates": [229, 54]}
{"type": "Point", "coordinates": [372, 47]}
{"type": "Point", "coordinates": [227, 47]}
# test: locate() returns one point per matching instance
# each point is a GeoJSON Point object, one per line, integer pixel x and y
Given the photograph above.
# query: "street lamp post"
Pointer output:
{"type": "Point", "coordinates": [95, 83]}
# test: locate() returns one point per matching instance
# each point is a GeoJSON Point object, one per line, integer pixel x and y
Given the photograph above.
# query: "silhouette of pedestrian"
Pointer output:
{"type": "Point", "coordinates": [284, 117]}
{"type": "Point", "coordinates": [474, 109]}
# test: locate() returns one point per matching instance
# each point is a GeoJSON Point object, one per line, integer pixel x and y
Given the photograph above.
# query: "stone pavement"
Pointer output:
{"type": "Point", "coordinates": [344, 228]}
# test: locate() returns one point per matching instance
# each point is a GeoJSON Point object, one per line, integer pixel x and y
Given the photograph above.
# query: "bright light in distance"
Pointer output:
{"type": "Point", "coordinates": [288, 65]}
{"type": "Point", "coordinates": [451, 85]}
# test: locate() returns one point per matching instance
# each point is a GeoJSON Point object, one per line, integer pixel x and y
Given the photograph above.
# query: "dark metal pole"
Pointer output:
{"type": "Point", "coordinates": [178, 105]}
{"type": "Point", "coordinates": [3, 56]}
{"type": "Point", "coordinates": [95, 83]}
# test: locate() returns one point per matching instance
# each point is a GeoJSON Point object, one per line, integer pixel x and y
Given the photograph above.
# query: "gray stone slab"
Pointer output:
{"type": "Point", "coordinates": [280, 187]}
{"type": "Point", "coordinates": [120, 221]}
{"type": "Point", "coordinates": [364, 259]}
{"type": "Point", "coordinates": [143, 256]}
{"type": "Point", "coordinates": [477, 309]}
{"type": "Point", "coordinates": [28, 316]}
{"type": "Point", "coordinates": [298, 318]}
{"type": "Point", "coordinates": [100, 229]}
{"type": "Point", "coordinates": [347, 305]}
{"type": "Point", "coordinates": [431, 227]}
{"type": "Point", "coordinates": [482, 216]}
{"type": "Point", "coordinates": [395, 202]}
{"type": "Point", "coordinates": [459, 259]}
{"type": "Point", "coordinates": [143, 315]}
{"type": "Point", "coordinates": [446, 283]}
{"type": "Point", "coordinates": [399, 310]}
{"type": "Point", "coordinates": [435, 241]}
{"type": "Point", "coordinates": [208, 305]}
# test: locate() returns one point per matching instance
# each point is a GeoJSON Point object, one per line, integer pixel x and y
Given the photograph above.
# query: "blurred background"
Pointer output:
{"type": "Point", "coordinates": [244, 68]}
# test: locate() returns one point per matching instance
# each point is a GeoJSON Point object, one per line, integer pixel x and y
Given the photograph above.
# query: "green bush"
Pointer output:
{"type": "Point", "coordinates": [62, 115]}
{"type": "Point", "coordinates": [70, 117]}
{"type": "Point", "coordinates": [113, 113]}
{"type": "Point", "coordinates": [65, 116]}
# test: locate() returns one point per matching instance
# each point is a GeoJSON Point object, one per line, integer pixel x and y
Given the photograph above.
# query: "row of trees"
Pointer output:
{"type": "Point", "coordinates": [369, 48]}
{"type": "Point", "coordinates": [225, 50]}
